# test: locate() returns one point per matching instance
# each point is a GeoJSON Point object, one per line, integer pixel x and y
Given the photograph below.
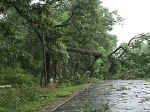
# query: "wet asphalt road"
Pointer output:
{"type": "Point", "coordinates": [120, 95]}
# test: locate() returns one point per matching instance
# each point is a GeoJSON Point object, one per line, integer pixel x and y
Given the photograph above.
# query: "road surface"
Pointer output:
{"type": "Point", "coordinates": [118, 95]}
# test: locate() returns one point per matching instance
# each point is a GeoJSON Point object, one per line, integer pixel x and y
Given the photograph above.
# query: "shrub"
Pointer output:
{"type": "Point", "coordinates": [15, 77]}
{"type": "Point", "coordinates": [8, 98]}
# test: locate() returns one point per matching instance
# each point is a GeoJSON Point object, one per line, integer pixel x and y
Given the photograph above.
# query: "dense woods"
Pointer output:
{"type": "Point", "coordinates": [67, 41]}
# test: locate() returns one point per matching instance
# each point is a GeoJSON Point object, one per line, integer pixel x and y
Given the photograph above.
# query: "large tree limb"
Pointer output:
{"type": "Point", "coordinates": [84, 52]}
{"type": "Point", "coordinates": [131, 44]}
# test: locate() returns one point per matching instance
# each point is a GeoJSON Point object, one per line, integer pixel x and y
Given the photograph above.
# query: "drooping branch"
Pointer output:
{"type": "Point", "coordinates": [84, 52]}
{"type": "Point", "coordinates": [116, 50]}
{"type": "Point", "coordinates": [139, 38]}
{"type": "Point", "coordinates": [121, 50]}
{"type": "Point", "coordinates": [96, 56]}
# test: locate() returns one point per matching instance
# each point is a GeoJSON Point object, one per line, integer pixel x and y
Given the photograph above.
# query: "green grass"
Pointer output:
{"type": "Point", "coordinates": [34, 99]}
{"type": "Point", "coordinates": [48, 96]}
{"type": "Point", "coordinates": [30, 99]}
{"type": "Point", "coordinates": [147, 80]}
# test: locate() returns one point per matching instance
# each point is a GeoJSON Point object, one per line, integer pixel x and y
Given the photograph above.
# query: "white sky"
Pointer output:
{"type": "Point", "coordinates": [136, 15]}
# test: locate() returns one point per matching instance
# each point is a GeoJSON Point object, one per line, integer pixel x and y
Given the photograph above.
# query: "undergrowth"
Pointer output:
{"type": "Point", "coordinates": [27, 99]}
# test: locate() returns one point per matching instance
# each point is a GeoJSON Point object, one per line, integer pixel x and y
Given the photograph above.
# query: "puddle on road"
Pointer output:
{"type": "Point", "coordinates": [134, 99]}
{"type": "Point", "coordinates": [120, 95]}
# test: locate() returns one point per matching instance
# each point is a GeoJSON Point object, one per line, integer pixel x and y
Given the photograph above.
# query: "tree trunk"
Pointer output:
{"type": "Point", "coordinates": [48, 70]}
{"type": "Point", "coordinates": [44, 78]}
{"type": "Point", "coordinates": [45, 68]}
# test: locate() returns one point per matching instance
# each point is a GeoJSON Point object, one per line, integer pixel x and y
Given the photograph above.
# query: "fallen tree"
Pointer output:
{"type": "Point", "coordinates": [118, 53]}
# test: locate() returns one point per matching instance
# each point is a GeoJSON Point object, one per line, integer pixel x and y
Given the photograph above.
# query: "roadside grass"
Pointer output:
{"type": "Point", "coordinates": [35, 98]}
{"type": "Point", "coordinates": [147, 80]}
{"type": "Point", "coordinates": [51, 96]}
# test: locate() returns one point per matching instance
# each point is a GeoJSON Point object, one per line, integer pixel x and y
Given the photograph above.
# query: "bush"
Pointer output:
{"type": "Point", "coordinates": [8, 98]}
{"type": "Point", "coordinates": [16, 77]}
{"type": "Point", "coordinates": [14, 98]}
{"type": "Point", "coordinates": [81, 79]}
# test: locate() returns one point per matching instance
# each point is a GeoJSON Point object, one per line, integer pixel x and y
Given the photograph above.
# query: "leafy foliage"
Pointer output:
{"type": "Point", "coordinates": [35, 38]}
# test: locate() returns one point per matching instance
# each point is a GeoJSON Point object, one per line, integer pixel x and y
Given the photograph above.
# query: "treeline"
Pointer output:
{"type": "Point", "coordinates": [64, 40]}
{"type": "Point", "coordinates": [51, 39]}
{"type": "Point", "coordinates": [35, 37]}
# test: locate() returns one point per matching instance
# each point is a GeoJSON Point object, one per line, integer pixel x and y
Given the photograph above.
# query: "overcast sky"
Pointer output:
{"type": "Point", "coordinates": [136, 15]}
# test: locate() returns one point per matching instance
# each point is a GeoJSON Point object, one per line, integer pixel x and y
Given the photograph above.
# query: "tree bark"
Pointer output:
{"type": "Point", "coordinates": [48, 70]}
{"type": "Point", "coordinates": [44, 66]}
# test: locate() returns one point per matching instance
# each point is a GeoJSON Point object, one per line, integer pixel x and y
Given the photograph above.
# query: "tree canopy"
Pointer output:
{"type": "Point", "coordinates": [61, 39]}
{"type": "Point", "coordinates": [64, 41]}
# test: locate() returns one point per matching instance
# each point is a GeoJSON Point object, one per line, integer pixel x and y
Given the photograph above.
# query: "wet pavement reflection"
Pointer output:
{"type": "Point", "coordinates": [120, 95]}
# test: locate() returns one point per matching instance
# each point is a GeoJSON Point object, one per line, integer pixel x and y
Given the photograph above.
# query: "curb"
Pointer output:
{"type": "Point", "coordinates": [67, 100]}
